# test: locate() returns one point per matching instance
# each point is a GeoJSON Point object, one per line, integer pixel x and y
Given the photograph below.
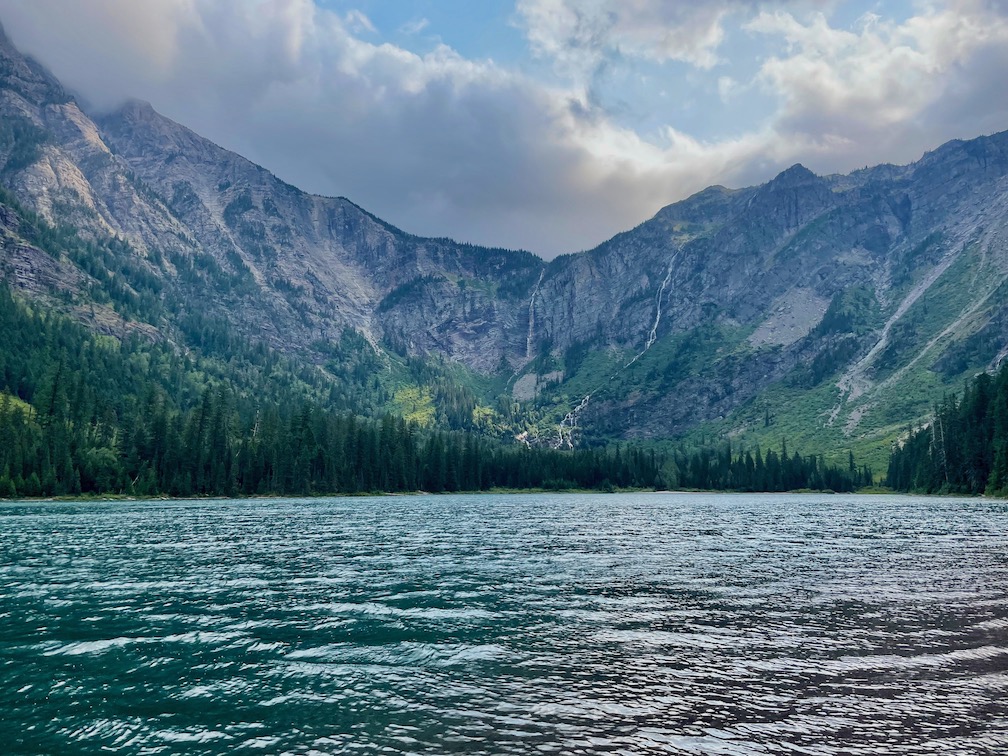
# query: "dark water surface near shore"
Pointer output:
{"type": "Point", "coordinates": [639, 623]}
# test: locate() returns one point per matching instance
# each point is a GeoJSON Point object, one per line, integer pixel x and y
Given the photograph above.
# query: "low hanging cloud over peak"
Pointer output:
{"type": "Point", "coordinates": [606, 111]}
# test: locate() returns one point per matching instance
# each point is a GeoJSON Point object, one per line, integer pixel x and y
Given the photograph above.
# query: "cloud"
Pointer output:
{"type": "Point", "coordinates": [580, 36]}
{"type": "Point", "coordinates": [440, 144]}
{"type": "Point", "coordinates": [414, 26]}
{"type": "Point", "coordinates": [727, 86]}
{"type": "Point", "coordinates": [863, 91]}
{"type": "Point", "coordinates": [435, 143]}
{"type": "Point", "coordinates": [358, 23]}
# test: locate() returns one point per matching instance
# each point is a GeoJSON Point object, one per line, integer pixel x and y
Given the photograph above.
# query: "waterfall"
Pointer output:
{"type": "Point", "coordinates": [653, 333]}
{"type": "Point", "coordinates": [531, 318]}
{"type": "Point", "coordinates": [567, 426]}
{"type": "Point", "coordinates": [566, 438]}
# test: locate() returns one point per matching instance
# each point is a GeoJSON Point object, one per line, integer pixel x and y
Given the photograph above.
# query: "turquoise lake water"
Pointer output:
{"type": "Point", "coordinates": [533, 624]}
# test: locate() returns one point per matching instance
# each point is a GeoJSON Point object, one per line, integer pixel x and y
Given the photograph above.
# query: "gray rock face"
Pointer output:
{"type": "Point", "coordinates": [764, 263]}
{"type": "Point", "coordinates": [328, 261]}
{"type": "Point", "coordinates": [29, 269]}
{"type": "Point", "coordinates": [296, 268]}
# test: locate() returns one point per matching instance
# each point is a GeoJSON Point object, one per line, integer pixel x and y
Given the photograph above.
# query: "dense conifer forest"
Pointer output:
{"type": "Point", "coordinates": [86, 413]}
{"type": "Point", "coordinates": [707, 468]}
{"type": "Point", "coordinates": [964, 448]}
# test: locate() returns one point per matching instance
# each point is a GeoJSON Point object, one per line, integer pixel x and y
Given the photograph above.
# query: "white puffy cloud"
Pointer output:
{"type": "Point", "coordinates": [444, 145]}
{"type": "Point", "coordinates": [863, 92]}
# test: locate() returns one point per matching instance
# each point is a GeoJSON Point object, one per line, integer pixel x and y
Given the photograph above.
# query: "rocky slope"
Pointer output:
{"type": "Point", "coordinates": [847, 302]}
{"type": "Point", "coordinates": [286, 266]}
{"type": "Point", "coordinates": [762, 266]}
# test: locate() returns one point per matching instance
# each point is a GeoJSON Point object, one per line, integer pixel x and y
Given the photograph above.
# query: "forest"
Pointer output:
{"type": "Point", "coordinates": [963, 448]}
{"type": "Point", "coordinates": [84, 413]}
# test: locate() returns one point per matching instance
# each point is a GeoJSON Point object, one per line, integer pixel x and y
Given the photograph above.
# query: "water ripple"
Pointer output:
{"type": "Point", "coordinates": [685, 624]}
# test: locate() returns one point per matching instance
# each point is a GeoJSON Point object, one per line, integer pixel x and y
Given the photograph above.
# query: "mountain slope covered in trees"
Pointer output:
{"type": "Point", "coordinates": [85, 413]}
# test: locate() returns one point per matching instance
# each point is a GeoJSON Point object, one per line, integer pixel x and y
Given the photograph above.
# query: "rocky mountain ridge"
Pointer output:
{"type": "Point", "coordinates": [312, 265]}
{"type": "Point", "coordinates": [856, 290]}
{"type": "Point", "coordinates": [767, 262]}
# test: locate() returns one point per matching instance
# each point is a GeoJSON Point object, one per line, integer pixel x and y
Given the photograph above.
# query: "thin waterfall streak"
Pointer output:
{"type": "Point", "coordinates": [567, 426]}
{"type": "Point", "coordinates": [566, 439]}
{"type": "Point", "coordinates": [653, 333]}
{"type": "Point", "coordinates": [531, 325]}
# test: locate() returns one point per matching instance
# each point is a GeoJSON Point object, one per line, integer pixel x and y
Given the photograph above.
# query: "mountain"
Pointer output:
{"type": "Point", "coordinates": [828, 310]}
{"type": "Point", "coordinates": [296, 267]}
{"type": "Point", "coordinates": [858, 298]}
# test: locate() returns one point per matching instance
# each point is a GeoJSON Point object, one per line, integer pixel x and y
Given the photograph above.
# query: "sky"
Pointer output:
{"type": "Point", "coordinates": [547, 125]}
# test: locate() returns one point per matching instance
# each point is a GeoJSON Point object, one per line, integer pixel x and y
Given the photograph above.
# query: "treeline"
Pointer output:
{"type": "Point", "coordinates": [212, 450]}
{"type": "Point", "coordinates": [964, 448]}
{"type": "Point", "coordinates": [84, 413]}
{"type": "Point", "coordinates": [717, 468]}
{"type": "Point", "coordinates": [50, 448]}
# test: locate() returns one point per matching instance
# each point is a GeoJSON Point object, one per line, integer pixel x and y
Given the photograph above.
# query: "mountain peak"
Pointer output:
{"type": "Point", "coordinates": [137, 111]}
{"type": "Point", "coordinates": [138, 117]}
{"type": "Point", "coordinates": [136, 129]}
{"type": "Point", "coordinates": [796, 174]}
{"type": "Point", "coordinates": [25, 76]}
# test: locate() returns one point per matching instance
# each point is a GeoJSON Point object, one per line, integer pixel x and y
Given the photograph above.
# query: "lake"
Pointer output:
{"type": "Point", "coordinates": [637, 623]}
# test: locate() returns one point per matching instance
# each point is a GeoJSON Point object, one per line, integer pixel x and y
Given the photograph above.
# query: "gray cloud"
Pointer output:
{"type": "Point", "coordinates": [442, 145]}
{"type": "Point", "coordinates": [579, 36]}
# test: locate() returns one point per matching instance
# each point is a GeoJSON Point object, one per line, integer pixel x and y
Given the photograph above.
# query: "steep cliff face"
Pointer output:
{"type": "Point", "coordinates": [333, 263]}
{"type": "Point", "coordinates": [57, 162]}
{"type": "Point", "coordinates": [278, 263]}
{"type": "Point", "coordinates": [855, 290]}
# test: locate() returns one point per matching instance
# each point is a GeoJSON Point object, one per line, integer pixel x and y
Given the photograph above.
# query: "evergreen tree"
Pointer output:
{"type": "Point", "coordinates": [963, 448]}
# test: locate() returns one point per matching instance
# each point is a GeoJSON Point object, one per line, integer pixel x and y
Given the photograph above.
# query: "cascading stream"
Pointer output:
{"type": "Point", "coordinates": [653, 333]}
{"type": "Point", "coordinates": [531, 318]}
{"type": "Point", "coordinates": [567, 426]}
{"type": "Point", "coordinates": [569, 423]}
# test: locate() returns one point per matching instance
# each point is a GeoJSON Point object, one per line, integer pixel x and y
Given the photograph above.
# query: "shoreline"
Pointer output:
{"type": "Point", "coordinates": [116, 498]}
